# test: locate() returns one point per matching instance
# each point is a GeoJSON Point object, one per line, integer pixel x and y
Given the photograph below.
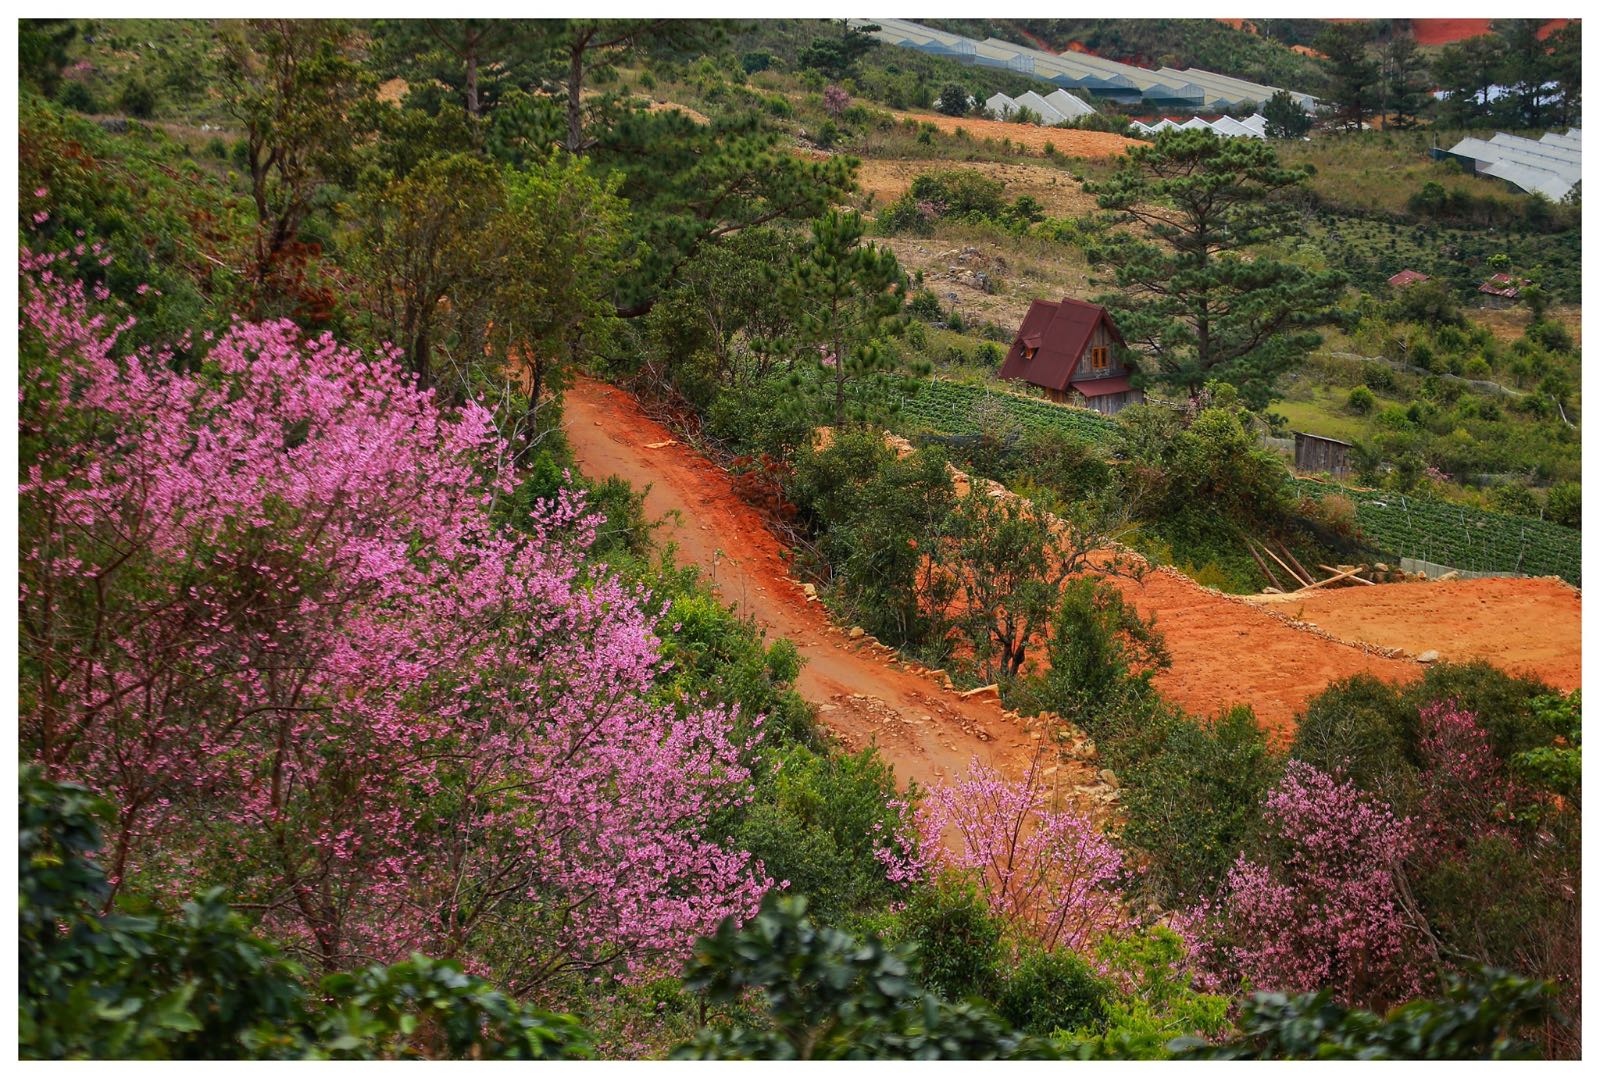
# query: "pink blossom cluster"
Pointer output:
{"type": "Point", "coordinates": [835, 100]}
{"type": "Point", "coordinates": [265, 609]}
{"type": "Point", "coordinates": [1467, 793]}
{"type": "Point", "coordinates": [1049, 872]}
{"type": "Point", "coordinates": [1324, 908]}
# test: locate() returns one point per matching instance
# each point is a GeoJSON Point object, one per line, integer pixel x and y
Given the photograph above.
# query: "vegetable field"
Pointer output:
{"type": "Point", "coordinates": [962, 408]}
{"type": "Point", "coordinates": [1475, 540]}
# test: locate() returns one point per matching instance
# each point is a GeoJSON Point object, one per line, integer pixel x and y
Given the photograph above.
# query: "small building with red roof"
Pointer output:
{"type": "Point", "coordinates": [1070, 350]}
{"type": "Point", "coordinates": [1406, 277]}
{"type": "Point", "coordinates": [1502, 290]}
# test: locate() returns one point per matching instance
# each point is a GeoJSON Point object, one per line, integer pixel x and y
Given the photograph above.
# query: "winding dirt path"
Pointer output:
{"type": "Point", "coordinates": [927, 732]}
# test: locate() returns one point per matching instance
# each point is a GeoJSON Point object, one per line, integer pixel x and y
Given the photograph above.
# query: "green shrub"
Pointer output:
{"type": "Point", "coordinates": [957, 939]}
{"type": "Point", "coordinates": [1048, 991]}
{"type": "Point", "coordinates": [961, 193]}
{"type": "Point", "coordinates": [1564, 504]}
{"type": "Point", "coordinates": [1506, 705]}
{"type": "Point", "coordinates": [1378, 376]}
{"type": "Point", "coordinates": [137, 98]}
{"type": "Point", "coordinates": [817, 819]}
{"type": "Point", "coordinates": [925, 305]}
{"type": "Point", "coordinates": [1193, 803]}
{"type": "Point", "coordinates": [78, 97]}
{"type": "Point", "coordinates": [1361, 400]}
{"type": "Point", "coordinates": [1154, 1002]}
{"type": "Point", "coordinates": [1102, 654]}
{"type": "Point", "coordinates": [1362, 729]}
{"type": "Point", "coordinates": [1551, 336]}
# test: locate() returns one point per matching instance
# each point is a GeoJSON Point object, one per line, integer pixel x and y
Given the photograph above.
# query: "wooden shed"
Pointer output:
{"type": "Point", "coordinates": [1315, 454]}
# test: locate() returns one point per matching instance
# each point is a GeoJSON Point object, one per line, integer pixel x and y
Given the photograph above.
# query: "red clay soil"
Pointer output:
{"type": "Point", "coordinates": [1446, 31]}
{"type": "Point", "coordinates": [928, 733]}
{"type": "Point", "coordinates": [1523, 626]}
{"type": "Point", "coordinates": [1226, 651]}
{"type": "Point", "coordinates": [1271, 652]}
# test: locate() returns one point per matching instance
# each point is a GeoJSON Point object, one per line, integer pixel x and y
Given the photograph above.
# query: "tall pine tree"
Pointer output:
{"type": "Point", "coordinates": [849, 298]}
{"type": "Point", "coordinates": [1200, 292]}
{"type": "Point", "coordinates": [1467, 73]}
{"type": "Point", "coordinates": [1352, 73]}
{"type": "Point", "coordinates": [1405, 86]}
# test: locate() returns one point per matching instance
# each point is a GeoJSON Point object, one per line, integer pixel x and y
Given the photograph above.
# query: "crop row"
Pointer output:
{"type": "Point", "coordinates": [961, 408]}
{"type": "Point", "coordinates": [1475, 540]}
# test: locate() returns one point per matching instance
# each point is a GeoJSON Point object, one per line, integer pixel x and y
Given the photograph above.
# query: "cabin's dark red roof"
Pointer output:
{"type": "Point", "coordinates": [1501, 284]}
{"type": "Point", "coordinates": [1407, 276]}
{"type": "Point", "coordinates": [1057, 334]}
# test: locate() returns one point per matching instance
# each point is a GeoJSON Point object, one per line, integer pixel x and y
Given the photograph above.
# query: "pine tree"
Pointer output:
{"type": "Point", "coordinates": [1566, 70]}
{"type": "Point", "coordinates": [848, 298]}
{"type": "Point", "coordinates": [1200, 292]}
{"type": "Point", "coordinates": [1352, 73]}
{"type": "Point", "coordinates": [1467, 73]}
{"type": "Point", "coordinates": [1285, 118]}
{"type": "Point", "coordinates": [1405, 88]}
{"type": "Point", "coordinates": [1525, 71]}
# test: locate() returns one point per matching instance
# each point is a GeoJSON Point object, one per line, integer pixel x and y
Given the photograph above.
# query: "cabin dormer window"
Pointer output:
{"type": "Point", "coordinates": [1029, 353]}
{"type": "Point", "coordinates": [1099, 358]}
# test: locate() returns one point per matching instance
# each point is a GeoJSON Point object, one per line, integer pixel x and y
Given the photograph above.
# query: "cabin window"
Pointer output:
{"type": "Point", "coordinates": [1029, 353]}
{"type": "Point", "coordinates": [1099, 357]}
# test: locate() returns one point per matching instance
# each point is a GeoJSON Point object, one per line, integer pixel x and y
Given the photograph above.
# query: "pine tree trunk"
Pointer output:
{"type": "Point", "coordinates": [575, 94]}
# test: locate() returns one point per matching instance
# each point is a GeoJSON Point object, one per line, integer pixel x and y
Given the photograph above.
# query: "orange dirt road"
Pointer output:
{"type": "Point", "coordinates": [928, 733]}
{"type": "Point", "coordinates": [1067, 141]}
{"type": "Point", "coordinates": [1523, 626]}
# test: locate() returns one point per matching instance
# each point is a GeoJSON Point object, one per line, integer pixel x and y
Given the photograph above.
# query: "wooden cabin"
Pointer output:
{"type": "Point", "coordinates": [1070, 350]}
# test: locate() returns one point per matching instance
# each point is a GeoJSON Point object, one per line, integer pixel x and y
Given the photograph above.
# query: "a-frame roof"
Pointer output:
{"type": "Point", "coordinates": [1057, 333]}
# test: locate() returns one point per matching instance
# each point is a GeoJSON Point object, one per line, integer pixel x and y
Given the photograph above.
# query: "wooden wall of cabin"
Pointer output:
{"type": "Point", "coordinates": [1099, 339]}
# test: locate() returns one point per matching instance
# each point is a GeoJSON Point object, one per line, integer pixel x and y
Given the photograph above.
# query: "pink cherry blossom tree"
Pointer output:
{"type": "Point", "coordinates": [1050, 872]}
{"type": "Point", "coordinates": [1467, 793]}
{"type": "Point", "coordinates": [1323, 906]}
{"type": "Point", "coordinates": [266, 609]}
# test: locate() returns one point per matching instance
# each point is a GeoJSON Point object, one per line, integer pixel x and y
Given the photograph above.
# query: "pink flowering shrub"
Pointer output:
{"type": "Point", "coordinates": [265, 611]}
{"type": "Point", "coordinates": [1323, 909]}
{"type": "Point", "coordinates": [1050, 873]}
{"type": "Point", "coordinates": [1466, 793]}
{"type": "Point", "coordinates": [835, 100]}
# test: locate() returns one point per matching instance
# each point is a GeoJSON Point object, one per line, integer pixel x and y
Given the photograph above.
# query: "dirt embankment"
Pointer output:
{"type": "Point", "coordinates": [1067, 142]}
